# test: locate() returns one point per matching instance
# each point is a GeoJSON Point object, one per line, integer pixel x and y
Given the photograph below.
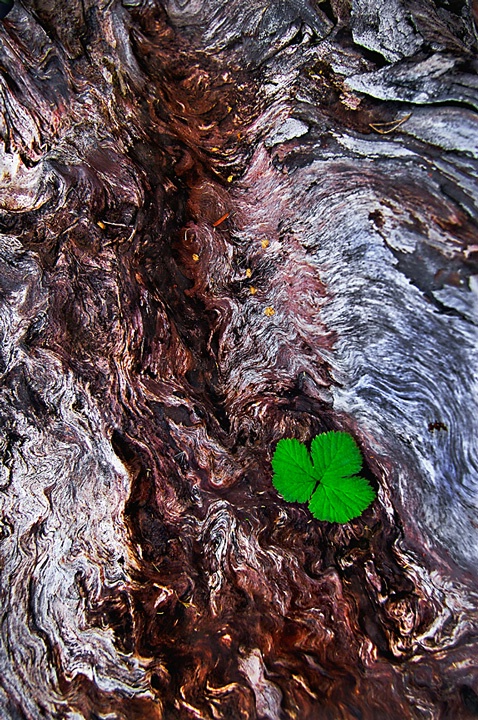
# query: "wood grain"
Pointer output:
{"type": "Point", "coordinates": [208, 242]}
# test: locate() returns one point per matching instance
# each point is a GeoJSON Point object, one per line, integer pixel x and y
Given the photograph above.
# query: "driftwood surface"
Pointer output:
{"type": "Point", "coordinates": [152, 357]}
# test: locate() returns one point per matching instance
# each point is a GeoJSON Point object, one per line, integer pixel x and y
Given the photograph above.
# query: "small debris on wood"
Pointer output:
{"type": "Point", "coordinates": [389, 127]}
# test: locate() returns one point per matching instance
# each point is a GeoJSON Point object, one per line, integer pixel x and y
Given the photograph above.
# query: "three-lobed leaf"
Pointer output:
{"type": "Point", "coordinates": [328, 480]}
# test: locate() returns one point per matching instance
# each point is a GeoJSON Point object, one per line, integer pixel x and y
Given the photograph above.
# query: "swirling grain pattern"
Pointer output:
{"type": "Point", "coordinates": [223, 223]}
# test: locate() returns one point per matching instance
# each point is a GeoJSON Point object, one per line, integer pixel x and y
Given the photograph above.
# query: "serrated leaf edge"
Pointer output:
{"type": "Point", "coordinates": [329, 482]}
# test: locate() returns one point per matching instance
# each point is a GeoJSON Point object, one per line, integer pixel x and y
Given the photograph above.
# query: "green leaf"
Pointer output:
{"type": "Point", "coordinates": [294, 477]}
{"type": "Point", "coordinates": [329, 483]}
{"type": "Point", "coordinates": [341, 499]}
{"type": "Point", "coordinates": [335, 454]}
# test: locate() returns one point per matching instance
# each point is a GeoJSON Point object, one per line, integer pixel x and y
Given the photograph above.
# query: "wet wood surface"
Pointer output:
{"type": "Point", "coordinates": [224, 223]}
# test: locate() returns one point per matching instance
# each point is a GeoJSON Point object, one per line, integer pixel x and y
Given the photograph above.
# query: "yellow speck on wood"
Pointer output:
{"type": "Point", "coordinates": [230, 178]}
{"type": "Point", "coordinates": [101, 224]}
{"type": "Point", "coordinates": [195, 257]}
{"type": "Point", "coordinates": [264, 244]}
{"type": "Point", "coordinates": [269, 311]}
{"type": "Point", "coordinates": [252, 290]}
{"type": "Point", "coordinates": [248, 273]}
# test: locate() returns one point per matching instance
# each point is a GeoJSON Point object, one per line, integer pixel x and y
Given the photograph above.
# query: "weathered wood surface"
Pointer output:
{"type": "Point", "coordinates": [148, 568]}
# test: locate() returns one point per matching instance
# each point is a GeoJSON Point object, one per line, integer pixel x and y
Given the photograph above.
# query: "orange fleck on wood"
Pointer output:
{"type": "Point", "coordinates": [230, 178]}
{"type": "Point", "coordinates": [269, 311]}
{"type": "Point", "coordinates": [248, 273]}
{"type": "Point", "coordinates": [252, 290]}
{"type": "Point", "coordinates": [221, 219]}
{"type": "Point", "coordinates": [226, 639]}
{"type": "Point", "coordinates": [265, 243]}
{"type": "Point", "coordinates": [101, 224]}
{"type": "Point", "coordinates": [195, 257]}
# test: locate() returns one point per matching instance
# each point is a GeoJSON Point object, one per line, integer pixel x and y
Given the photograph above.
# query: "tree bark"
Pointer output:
{"type": "Point", "coordinates": [225, 223]}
